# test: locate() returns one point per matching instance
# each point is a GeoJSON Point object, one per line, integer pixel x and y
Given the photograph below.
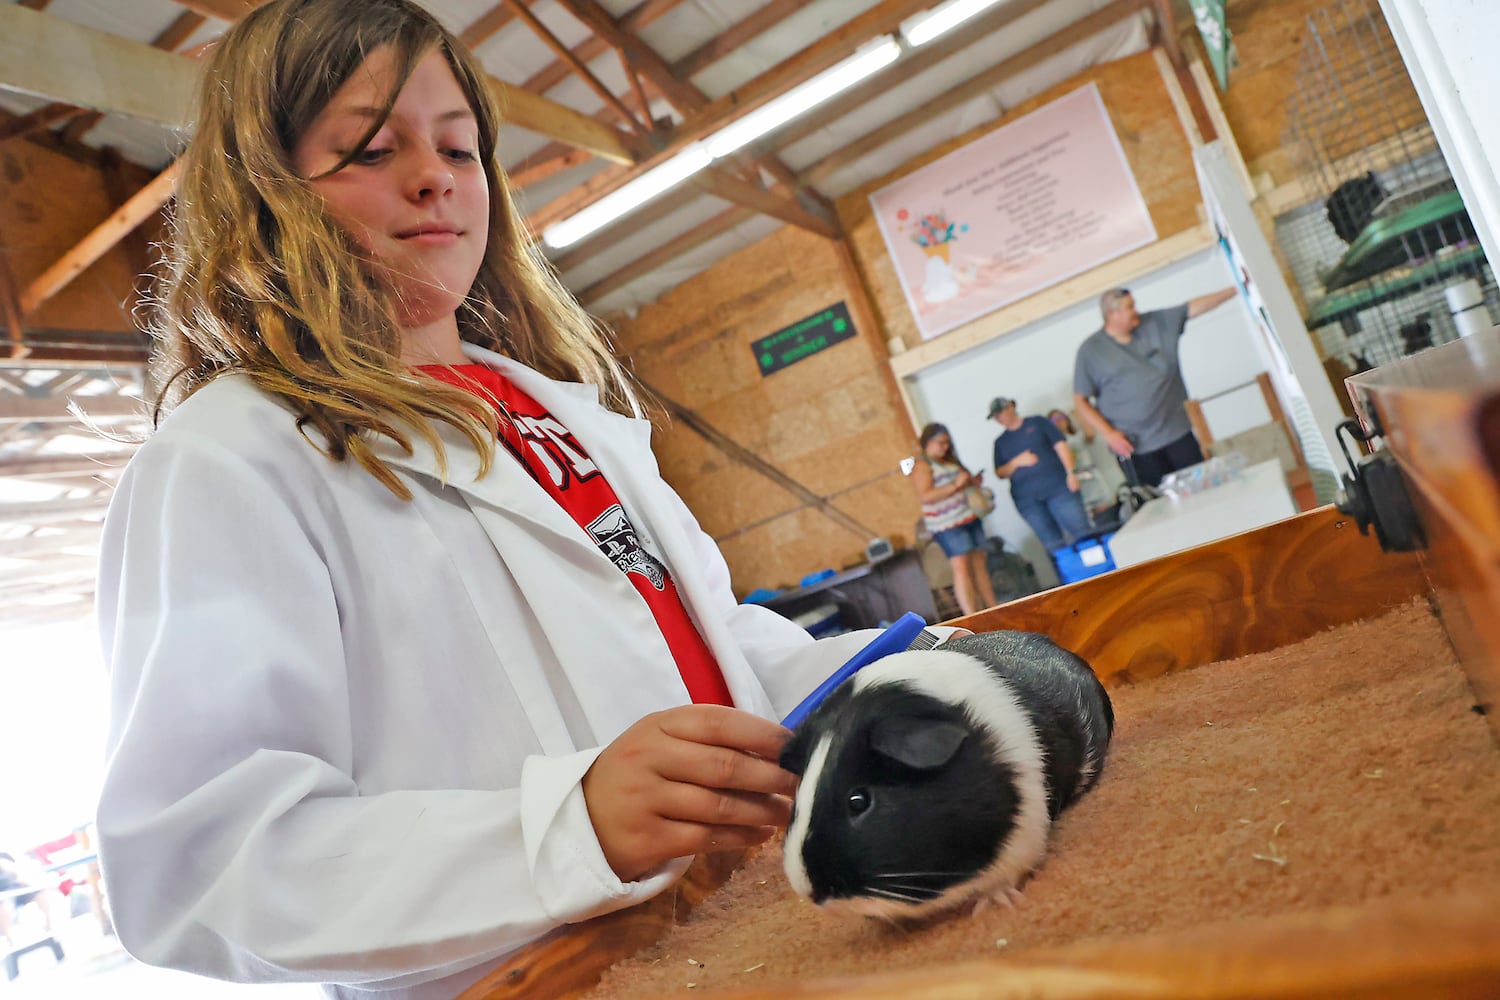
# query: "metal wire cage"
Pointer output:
{"type": "Point", "coordinates": [1383, 251]}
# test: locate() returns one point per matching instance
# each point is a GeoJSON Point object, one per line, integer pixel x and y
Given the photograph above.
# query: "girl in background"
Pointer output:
{"type": "Point", "coordinates": [940, 480]}
{"type": "Point", "coordinates": [414, 656]}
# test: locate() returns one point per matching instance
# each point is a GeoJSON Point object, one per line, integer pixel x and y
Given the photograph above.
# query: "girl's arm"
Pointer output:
{"type": "Point", "coordinates": [921, 478]}
{"type": "Point", "coordinates": [234, 833]}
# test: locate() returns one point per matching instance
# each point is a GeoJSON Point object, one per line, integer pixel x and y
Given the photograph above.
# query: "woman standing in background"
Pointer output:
{"type": "Point", "coordinates": [941, 481]}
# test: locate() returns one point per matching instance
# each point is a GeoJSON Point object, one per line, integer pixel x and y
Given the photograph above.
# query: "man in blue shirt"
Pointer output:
{"type": "Point", "coordinates": [1033, 454]}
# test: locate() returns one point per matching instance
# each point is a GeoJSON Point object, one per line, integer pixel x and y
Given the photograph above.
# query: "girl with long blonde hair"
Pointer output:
{"type": "Point", "coordinates": [414, 656]}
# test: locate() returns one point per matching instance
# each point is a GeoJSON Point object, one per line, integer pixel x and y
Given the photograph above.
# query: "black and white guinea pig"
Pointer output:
{"type": "Point", "coordinates": [932, 778]}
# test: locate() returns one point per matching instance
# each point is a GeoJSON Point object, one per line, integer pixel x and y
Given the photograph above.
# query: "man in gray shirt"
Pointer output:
{"type": "Point", "coordinates": [1127, 383]}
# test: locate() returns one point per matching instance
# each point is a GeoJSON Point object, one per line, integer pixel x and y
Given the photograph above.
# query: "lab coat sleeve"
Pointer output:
{"type": "Point", "coordinates": [235, 838]}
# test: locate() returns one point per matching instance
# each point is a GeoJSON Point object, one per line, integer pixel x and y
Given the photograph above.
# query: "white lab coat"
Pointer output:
{"type": "Point", "coordinates": [348, 731]}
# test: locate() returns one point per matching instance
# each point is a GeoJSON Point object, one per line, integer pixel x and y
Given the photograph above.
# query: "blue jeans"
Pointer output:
{"type": "Point", "coordinates": [965, 538]}
{"type": "Point", "coordinates": [1058, 518]}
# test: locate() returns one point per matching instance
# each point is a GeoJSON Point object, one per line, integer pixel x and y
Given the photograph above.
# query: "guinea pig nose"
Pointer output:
{"type": "Point", "coordinates": [859, 801]}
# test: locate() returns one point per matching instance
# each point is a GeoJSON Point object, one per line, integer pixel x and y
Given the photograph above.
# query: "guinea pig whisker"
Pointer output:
{"type": "Point", "coordinates": [924, 874]}
{"type": "Point", "coordinates": [904, 897]}
{"type": "Point", "coordinates": [925, 891]}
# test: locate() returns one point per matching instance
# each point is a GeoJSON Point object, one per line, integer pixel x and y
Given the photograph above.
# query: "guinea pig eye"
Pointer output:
{"type": "Point", "coordinates": [859, 801]}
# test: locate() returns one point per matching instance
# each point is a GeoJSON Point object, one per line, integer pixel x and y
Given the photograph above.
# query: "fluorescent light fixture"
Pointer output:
{"type": "Point", "coordinates": [628, 198]}
{"type": "Point", "coordinates": [941, 19]}
{"type": "Point", "coordinates": [867, 60]}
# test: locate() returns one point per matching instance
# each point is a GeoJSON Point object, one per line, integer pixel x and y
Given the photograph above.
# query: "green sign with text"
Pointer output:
{"type": "Point", "coordinates": [803, 338]}
{"type": "Point", "coordinates": [1214, 27]}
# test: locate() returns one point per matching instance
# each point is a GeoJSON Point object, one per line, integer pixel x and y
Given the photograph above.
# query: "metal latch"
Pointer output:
{"type": "Point", "coordinates": [1375, 496]}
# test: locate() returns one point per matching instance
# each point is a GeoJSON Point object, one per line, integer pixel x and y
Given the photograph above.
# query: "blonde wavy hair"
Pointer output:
{"type": "Point", "coordinates": [258, 279]}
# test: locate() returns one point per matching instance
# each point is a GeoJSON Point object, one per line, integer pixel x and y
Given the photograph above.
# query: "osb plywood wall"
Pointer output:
{"type": "Point", "coordinates": [48, 202]}
{"type": "Point", "coordinates": [1269, 36]}
{"type": "Point", "coordinates": [830, 421]}
{"type": "Point", "coordinates": [1141, 110]}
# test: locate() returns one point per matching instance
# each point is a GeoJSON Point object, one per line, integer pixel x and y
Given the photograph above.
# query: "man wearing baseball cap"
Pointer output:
{"type": "Point", "coordinates": [1034, 455]}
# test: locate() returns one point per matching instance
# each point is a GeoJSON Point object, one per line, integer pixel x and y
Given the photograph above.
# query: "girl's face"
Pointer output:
{"type": "Point", "coordinates": [938, 445]}
{"type": "Point", "coordinates": [416, 198]}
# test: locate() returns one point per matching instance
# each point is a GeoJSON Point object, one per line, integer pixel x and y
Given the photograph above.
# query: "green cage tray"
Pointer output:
{"type": "Point", "coordinates": [1332, 308]}
{"type": "Point", "coordinates": [1434, 222]}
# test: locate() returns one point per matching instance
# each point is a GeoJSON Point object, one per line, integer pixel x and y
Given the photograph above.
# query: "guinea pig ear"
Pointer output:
{"type": "Point", "coordinates": [918, 743]}
{"type": "Point", "coordinates": [795, 754]}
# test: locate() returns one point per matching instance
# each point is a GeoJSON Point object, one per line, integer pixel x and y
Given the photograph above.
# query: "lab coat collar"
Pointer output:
{"type": "Point", "coordinates": [621, 447]}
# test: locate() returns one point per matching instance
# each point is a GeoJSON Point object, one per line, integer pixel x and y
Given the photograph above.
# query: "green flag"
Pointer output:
{"type": "Point", "coordinates": [1209, 15]}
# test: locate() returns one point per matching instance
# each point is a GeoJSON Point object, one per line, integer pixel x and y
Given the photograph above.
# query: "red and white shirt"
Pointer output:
{"type": "Point", "coordinates": [560, 465]}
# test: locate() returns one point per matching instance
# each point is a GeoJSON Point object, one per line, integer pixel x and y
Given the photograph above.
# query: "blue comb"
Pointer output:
{"type": "Point", "coordinates": [908, 632]}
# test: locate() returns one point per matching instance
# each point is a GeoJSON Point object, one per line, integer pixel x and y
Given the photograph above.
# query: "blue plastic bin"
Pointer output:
{"type": "Point", "coordinates": [1084, 558]}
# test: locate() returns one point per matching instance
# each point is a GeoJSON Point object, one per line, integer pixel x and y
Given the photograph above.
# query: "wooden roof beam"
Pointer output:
{"type": "Point", "coordinates": [137, 209]}
{"type": "Point", "coordinates": [688, 98]}
{"type": "Point", "coordinates": [665, 254]}
{"type": "Point", "coordinates": [723, 184]}
{"type": "Point", "coordinates": [578, 65]}
{"type": "Point", "coordinates": [1168, 37]}
{"type": "Point", "coordinates": [488, 25]}
{"type": "Point", "coordinates": [924, 58]}
{"type": "Point", "coordinates": [179, 31]}
{"type": "Point", "coordinates": [10, 304]}
{"type": "Point", "coordinates": [1048, 47]}
{"type": "Point", "coordinates": [45, 55]}
{"type": "Point", "coordinates": [69, 63]}
{"type": "Point", "coordinates": [735, 36]}
{"type": "Point", "coordinates": [659, 209]}
{"type": "Point", "coordinates": [34, 121]}
{"type": "Point", "coordinates": [552, 158]}
{"type": "Point", "coordinates": [634, 19]}
{"type": "Point", "coordinates": [683, 95]}
{"type": "Point", "coordinates": [826, 52]}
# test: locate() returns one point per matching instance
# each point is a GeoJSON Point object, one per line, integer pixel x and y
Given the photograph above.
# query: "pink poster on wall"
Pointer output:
{"type": "Point", "coordinates": [1033, 203]}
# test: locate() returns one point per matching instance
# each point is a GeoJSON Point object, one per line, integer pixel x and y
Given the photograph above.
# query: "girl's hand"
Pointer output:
{"type": "Point", "coordinates": [684, 781]}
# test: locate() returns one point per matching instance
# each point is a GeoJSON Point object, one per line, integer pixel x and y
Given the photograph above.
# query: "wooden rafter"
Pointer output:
{"type": "Point", "coordinates": [120, 190]}
{"type": "Point", "coordinates": [681, 244]}
{"type": "Point", "coordinates": [10, 305]}
{"type": "Point", "coordinates": [804, 65]}
{"type": "Point", "coordinates": [659, 209]}
{"type": "Point", "coordinates": [976, 33]}
{"type": "Point", "coordinates": [488, 24]}
{"type": "Point", "coordinates": [723, 184]}
{"type": "Point", "coordinates": [551, 159]}
{"type": "Point", "coordinates": [35, 121]}
{"type": "Point", "coordinates": [523, 13]}
{"type": "Point", "coordinates": [683, 95]}
{"type": "Point", "coordinates": [636, 88]}
{"type": "Point", "coordinates": [179, 31]}
{"type": "Point", "coordinates": [1059, 40]}
{"type": "Point", "coordinates": [689, 99]}
{"type": "Point", "coordinates": [684, 243]}
{"type": "Point", "coordinates": [40, 54]}
{"type": "Point", "coordinates": [74, 64]}
{"type": "Point", "coordinates": [571, 201]}
{"type": "Point", "coordinates": [140, 206]}
{"type": "Point", "coordinates": [1167, 36]}
{"type": "Point", "coordinates": [224, 10]}
{"type": "Point", "coordinates": [635, 19]}
{"type": "Point", "coordinates": [736, 35]}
